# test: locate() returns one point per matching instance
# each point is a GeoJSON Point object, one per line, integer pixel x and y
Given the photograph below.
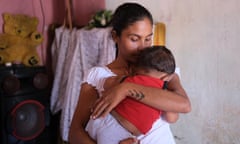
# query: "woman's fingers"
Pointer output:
{"type": "Point", "coordinates": [103, 107]}
{"type": "Point", "coordinates": [100, 107]}
{"type": "Point", "coordinates": [109, 100]}
{"type": "Point", "coordinates": [107, 110]}
{"type": "Point", "coordinates": [129, 141]}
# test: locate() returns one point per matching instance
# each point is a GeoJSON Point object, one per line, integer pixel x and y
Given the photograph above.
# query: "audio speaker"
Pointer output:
{"type": "Point", "coordinates": [24, 104]}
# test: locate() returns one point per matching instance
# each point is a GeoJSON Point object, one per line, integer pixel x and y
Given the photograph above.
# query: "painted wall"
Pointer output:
{"type": "Point", "coordinates": [204, 35]}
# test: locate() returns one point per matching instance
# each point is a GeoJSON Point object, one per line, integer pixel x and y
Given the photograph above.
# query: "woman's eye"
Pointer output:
{"type": "Point", "coordinates": [148, 39]}
{"type": "Point", "coordinates": [134, 39]}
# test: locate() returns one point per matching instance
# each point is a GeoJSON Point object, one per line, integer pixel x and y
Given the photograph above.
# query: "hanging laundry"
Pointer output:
{"type": "Point", "coordinates": [74, 53]}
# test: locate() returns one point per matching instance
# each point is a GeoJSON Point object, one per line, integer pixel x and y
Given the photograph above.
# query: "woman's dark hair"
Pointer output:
{"type": "Point", "coordinates": [127, 14]}
{"type": "Point", "coordinates": [156, 57]}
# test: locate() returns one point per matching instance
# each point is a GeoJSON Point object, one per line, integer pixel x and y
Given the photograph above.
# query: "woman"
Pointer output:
{"type": "Point", "coordinates": [132, 31]}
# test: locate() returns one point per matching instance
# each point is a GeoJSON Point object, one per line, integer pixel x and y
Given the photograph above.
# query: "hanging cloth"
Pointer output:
{"type": "Point", "coordinates": [58, 51]}
{"type": "Point", "coordinates": [88, 48]}
{"type": "Point", "coordinates": [78, 51]}
{"type": "Point", "coordinates": [74, 52]}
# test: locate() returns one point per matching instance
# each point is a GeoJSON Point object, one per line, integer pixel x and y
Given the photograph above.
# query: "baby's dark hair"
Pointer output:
{"type": "Point", "coordinates": [127, 14]}
{"type": "Point", "coordinates": [156, 57]}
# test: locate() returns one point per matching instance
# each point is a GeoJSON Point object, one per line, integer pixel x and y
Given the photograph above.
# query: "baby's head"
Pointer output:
{"type": "Point", "coordinates": [157, 58]}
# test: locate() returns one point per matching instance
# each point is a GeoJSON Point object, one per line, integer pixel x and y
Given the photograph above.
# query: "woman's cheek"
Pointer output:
{"type": "Point", "coordinates": [135, 46]}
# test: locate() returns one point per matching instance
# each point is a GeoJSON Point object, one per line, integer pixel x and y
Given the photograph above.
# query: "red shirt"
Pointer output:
{"type": "Point", "coordinates": [139, 114]}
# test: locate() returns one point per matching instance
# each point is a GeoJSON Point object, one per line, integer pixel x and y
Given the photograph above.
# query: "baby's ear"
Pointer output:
{"type": "Point", "coordinates": [168, 77]}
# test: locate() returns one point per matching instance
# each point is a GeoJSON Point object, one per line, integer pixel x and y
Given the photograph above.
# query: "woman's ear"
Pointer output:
{"type": "Point", "coordinates": [114, 35]}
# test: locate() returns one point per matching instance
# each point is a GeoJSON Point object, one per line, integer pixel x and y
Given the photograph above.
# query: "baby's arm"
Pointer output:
{"type": "Point", "coordinates": [170, 117]}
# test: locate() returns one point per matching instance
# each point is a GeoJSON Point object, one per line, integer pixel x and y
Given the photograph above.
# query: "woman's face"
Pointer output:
{"type": "Point", "coordinates": [134, 38]}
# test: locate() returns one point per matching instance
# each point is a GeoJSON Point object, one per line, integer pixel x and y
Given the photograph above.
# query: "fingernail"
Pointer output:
{"type": "Point", "coordinates": [93, 117]}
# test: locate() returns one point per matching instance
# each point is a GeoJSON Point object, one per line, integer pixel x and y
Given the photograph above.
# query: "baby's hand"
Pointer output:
{"type": "Point", "coordinates": [129, 141]}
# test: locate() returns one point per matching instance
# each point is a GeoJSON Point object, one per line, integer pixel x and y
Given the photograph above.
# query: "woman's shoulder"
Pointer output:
{"type": "Point", "coordinates": [98, 72]}
{"type": "Point", "coordinates": [101, 70]}
{"type": "Point", "coordinates": [97, 75]}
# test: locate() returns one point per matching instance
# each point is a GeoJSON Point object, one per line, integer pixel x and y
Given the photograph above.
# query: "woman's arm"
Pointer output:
{"type": "Point", "coordinates": [173, 100]}
{"type": "Point", "coordinates": [77, 133]}
{"type": "Point", "coordinates": [173, 85]}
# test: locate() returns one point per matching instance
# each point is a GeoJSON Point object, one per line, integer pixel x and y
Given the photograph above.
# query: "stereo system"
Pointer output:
{"type": "Point", "coordinates": [24, 105]}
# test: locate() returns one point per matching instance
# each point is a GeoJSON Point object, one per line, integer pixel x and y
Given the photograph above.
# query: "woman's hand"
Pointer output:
{"type": "Point", "coordinates": [109, 100]}
{"type": "Point", "coordinates": [175, 86]}
{"type": "Point", "coordinates": [129, 141]}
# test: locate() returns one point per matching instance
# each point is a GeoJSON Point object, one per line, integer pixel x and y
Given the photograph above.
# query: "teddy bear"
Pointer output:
{"type": "Point", "coordinates": [19, 40]}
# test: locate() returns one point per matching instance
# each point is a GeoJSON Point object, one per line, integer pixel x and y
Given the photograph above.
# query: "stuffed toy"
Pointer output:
{"type": "Point", "coordinates": [19, 40]}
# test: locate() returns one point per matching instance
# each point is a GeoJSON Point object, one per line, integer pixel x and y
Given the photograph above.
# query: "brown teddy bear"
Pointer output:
{"type": "Point", "coordinates": [19, 41]}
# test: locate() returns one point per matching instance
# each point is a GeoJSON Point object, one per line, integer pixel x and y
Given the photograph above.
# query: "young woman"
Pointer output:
{"type": "Point", "coordinates": [132, 31]}
{"type": "Point", "coordinates": [154, 67]}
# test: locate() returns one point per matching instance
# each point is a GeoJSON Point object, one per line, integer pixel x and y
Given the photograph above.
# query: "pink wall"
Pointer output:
{"type": "Point", "coordinates": [49, 12]}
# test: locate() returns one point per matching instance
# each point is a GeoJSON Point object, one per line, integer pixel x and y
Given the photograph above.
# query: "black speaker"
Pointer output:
{"type": "Point", "coordinates": [24, 104]}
